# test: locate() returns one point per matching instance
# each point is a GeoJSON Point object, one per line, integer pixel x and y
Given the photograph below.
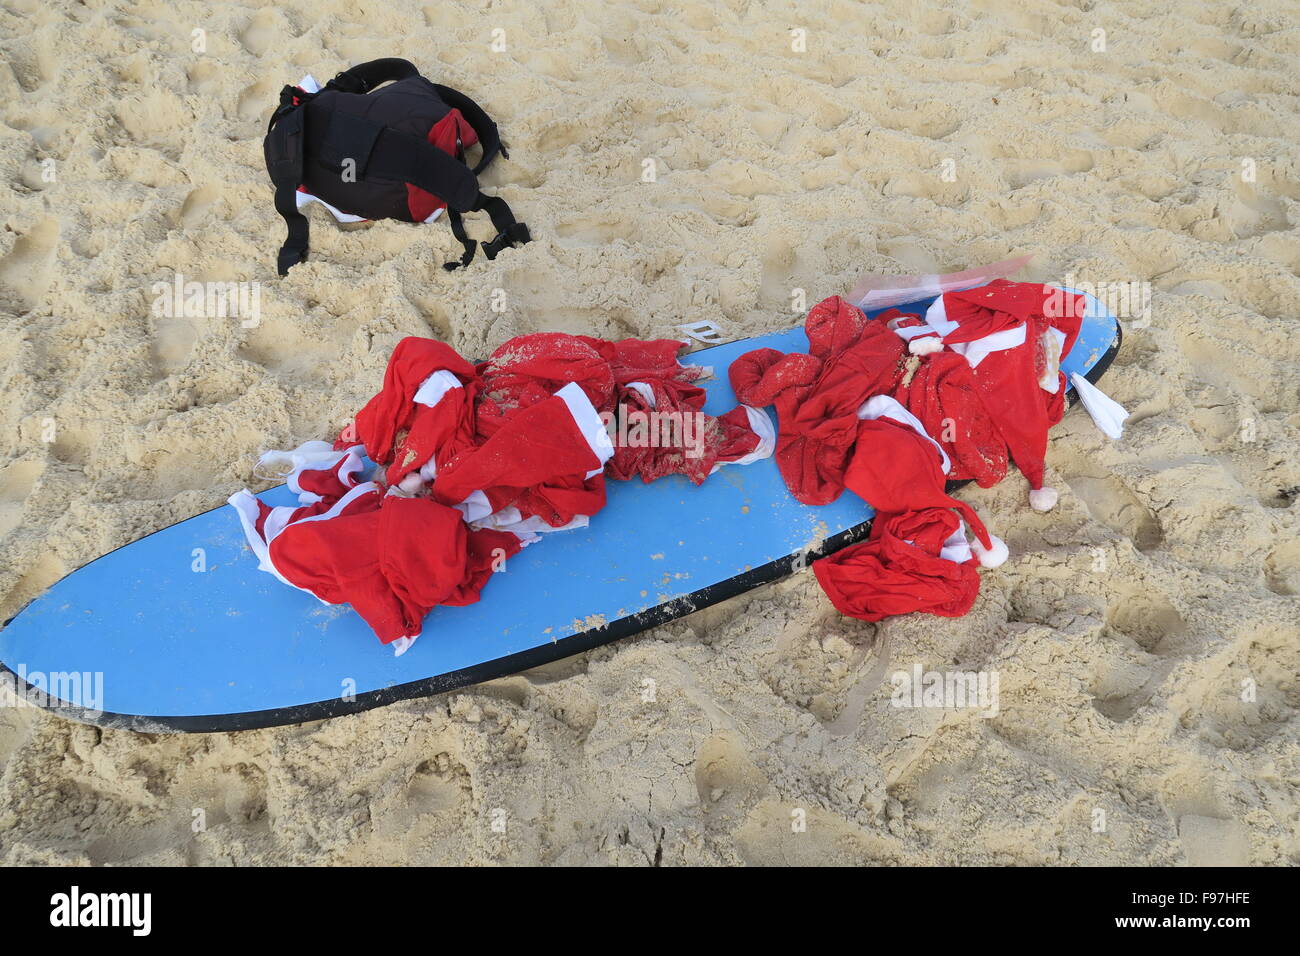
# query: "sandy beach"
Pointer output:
{"type": "Point", "coordinates": [680, 163]}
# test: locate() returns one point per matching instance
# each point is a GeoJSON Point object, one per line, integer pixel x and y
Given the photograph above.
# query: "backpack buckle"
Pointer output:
{"type": "Point", "coordinates": [348, 82]}
{"type": "Point", "coordinates": [514, 234]}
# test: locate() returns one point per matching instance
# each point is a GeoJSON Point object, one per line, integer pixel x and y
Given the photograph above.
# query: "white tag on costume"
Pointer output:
{"type": "Point", "coordinates": [1108, 414]}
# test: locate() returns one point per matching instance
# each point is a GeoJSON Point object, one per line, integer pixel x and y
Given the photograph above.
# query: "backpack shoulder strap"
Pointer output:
{"type": "Point", "coordinates": [510, 233]}
{"type": "Point", "coordinates": [283, 148]}
{"type": "Point", "coordinates": [488, 136]}
{"type": "Point", "coordinates": [364, 77]}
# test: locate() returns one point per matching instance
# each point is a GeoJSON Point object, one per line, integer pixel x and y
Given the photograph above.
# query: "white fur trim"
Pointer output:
{"type": "Point", "coordinates": [510, 519]}
{"type": "Point", "coordinates": [762, 426]}
{"type": "Point", "coordinates": [434, 388]}
{"type": "Point", "coordinates": [936, 317]}
{"type": "Point", "coordinates": [245, 505]}
{"type": "Point", "coordinates": [310, 454]}
{"type": "Point", "coordinates": [475, 507]}
{"type": "Point", "coordinates": [925, 346]}
{"type": "Point", "coordinates": [645, 391]}
{"type": "Point", "coordinates": [883, 406]}
{"type": "Point", "coordinates": [991, 557]}
{"type": "Point", "coordinates": [957, 548]}
{"type": "Point", "coordinates": [911, 332]}
{"type": "Point", "coordinates": [589, 423]}
{"type": "Point", "coordinates": [981, 348]}
{"type": "Point", "coordinates": [1042, 499]}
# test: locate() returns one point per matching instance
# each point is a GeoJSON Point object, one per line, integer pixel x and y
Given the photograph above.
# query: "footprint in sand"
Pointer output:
{"type": "Point", "coordinates": [196, 206]}
{"type": "Point", "coordinates": [594, 230]}
{"type": "Point", "coordinates": [172, 344]}
{"type": "Point", "coordinates": [1282, 569]}
{"type": "Point", "coordinates": [726, 779]}
{"type": "Point", "coordinates": [1146, 635]}
{"type": "Point", "coordinates": [266, 28]}
{"type": "Point", "coordinates": [1209, 841]}
{"type": "Point", "coordinates": [432, 792]}
{"type": "Point", "coordinates": [204, 78]}
{"type": "Point", "coordinates": [16, 483]}
{"type": "Point", "coordinates": [1115, 506]}
{"type": "Point", "coordinates": [257, 100]}
{"type": "Point", "coordinates": [25, 273]}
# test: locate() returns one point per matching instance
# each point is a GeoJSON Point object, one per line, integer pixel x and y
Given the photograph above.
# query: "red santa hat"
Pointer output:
{"type": "Point", "coordinates": [897, 468]}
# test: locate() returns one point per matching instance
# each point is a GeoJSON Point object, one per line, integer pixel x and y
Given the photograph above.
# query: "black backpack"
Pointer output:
{"type": "Point", "coordinates": [397, 153]}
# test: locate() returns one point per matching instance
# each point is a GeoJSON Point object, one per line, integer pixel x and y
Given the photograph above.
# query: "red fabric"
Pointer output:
{"type": "Point", "coordinates": [1003, 304]}
{"type": "Point", "coordinates": [393, 563]}
{"type": "Point", "coordinates": [945, 396]}
{"type": "Point", "coordinates": [399, 432]}
{"type": "Point", "coordinates": [393, 559]}
{"type": "Point", "coordinates": [981, 417]}
{"type": "Point", "coordinates": [505, 433]}
{"type": "Point", "coordinates": [817, 395]}
{"type": "Point", "coordinates": [1021, 410]}
{"type": "Point", "coordinates": [885, 575]}
{"type": "Point", "coordinates": [997, 411]}
{"type": "Point", "coordinates": [672, 435]}
{"type": "Point", "coordinates": [991, 308]}
{"type": "Point", "coordinates": [536, 462]}
{"type": "Point", "coordinates": [896, 471]}
{"type": "Point", "coordinates": [442, 135]}
{"type": "Point", "coordinates": [531, 368]}
{"type": "Point", "coordinates": [1018, 406]}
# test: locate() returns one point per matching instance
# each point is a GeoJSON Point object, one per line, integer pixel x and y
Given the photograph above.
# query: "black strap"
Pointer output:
{"type": "Point", "coordinates": [509, 232]}
{"type": "Point", "coordinates": [364, 77]}
{"type": "Point", "coordinates": [458, 230]}
{"type": "Point", "coordinates": [488, 136]}
{"type": "Point", "coordinates": [284, 144]}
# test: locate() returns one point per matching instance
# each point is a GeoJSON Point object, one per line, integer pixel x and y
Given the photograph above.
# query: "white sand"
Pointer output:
{"type": "Point", "coordinates": [1122, 629]}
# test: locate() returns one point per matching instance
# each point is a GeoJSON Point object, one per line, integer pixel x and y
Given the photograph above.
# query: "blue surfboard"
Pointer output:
{"type": "Point", "coordinates": [180, 632]}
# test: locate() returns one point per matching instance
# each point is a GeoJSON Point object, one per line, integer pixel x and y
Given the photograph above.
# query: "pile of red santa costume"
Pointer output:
{"type": "Point", "coordinates": [479, 459]}
{"type": "Point", "coordinates": [894, 408]}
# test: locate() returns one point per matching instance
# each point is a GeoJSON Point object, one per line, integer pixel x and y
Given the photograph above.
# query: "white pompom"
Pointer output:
{"type": "Point", "coordinates": [925, 344]}
{"type": "Point", "coordinates": [990, 557]}
{"type": "Point", "coordinates": [412, 483]}
{"type": "Point", "coordinates": [1043, 499]}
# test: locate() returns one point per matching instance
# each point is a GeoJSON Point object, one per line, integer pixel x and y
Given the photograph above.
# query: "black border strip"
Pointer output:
{"type": "Point", "coordinates": [498, 667]}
